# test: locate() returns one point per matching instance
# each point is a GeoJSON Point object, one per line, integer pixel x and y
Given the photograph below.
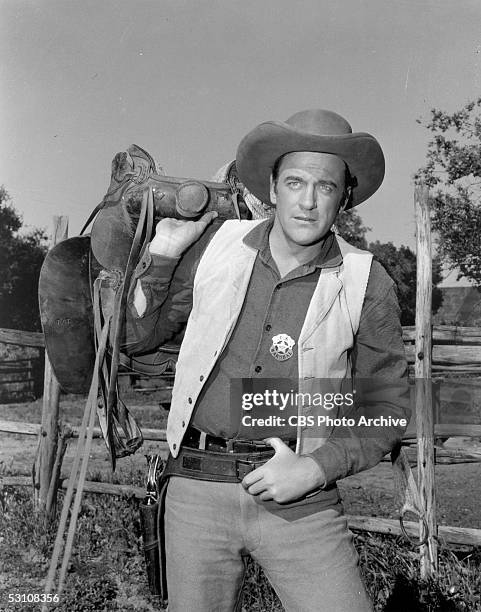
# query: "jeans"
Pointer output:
{"type": "Point", "coordinates": [310, 561]}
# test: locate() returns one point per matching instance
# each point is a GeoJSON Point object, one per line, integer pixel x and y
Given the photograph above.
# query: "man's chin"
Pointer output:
{"type": "Point", "coordinates": [307, 238]}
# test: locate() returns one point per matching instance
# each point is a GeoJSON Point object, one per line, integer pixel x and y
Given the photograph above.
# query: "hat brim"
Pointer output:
{"type": "Point", "coordinates": [265, 144]}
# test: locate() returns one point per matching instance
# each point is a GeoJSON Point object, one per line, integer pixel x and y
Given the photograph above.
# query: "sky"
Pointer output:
{"type": "Point", "coordinates": [187, 79]}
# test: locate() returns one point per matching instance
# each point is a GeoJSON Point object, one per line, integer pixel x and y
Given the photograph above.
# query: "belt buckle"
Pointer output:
{"type": "Point", "coordinates": [244, 467]}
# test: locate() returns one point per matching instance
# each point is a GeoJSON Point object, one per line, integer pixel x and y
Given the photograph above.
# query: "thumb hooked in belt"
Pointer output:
{"type": "Point", "coordinates": [278, 445]}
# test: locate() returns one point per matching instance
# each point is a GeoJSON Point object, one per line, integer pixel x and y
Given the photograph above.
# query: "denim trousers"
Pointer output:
{"type": "Point", "coordinates": [209, 526]}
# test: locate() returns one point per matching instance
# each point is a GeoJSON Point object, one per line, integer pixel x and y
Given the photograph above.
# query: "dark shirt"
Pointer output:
{"type": "Point", "coordinates": [378, 350]}
{"type": "Point", "coordinates": [247, 356]}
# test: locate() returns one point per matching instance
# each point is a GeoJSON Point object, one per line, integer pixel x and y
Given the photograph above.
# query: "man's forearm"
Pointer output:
{"type": "Point", "coordinates": [354, 449]}
{"type": "Point", "coordinates": [146, 325]}
{"type": "Point", "coordinates": [382, 390]}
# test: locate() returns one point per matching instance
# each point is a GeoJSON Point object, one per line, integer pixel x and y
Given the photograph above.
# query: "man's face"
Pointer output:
{"type": "Point", "coordinates": [308, 194]}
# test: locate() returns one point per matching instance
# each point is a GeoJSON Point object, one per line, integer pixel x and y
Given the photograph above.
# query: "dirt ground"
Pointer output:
{"type": "Point", "coordinates": [458, 487]}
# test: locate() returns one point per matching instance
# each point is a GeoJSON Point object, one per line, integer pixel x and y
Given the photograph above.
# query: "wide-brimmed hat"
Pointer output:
{"type": "Point", "coordinates": [317, 130]}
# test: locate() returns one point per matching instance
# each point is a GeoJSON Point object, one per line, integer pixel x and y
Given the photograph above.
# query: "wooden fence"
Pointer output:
{"type": "Point", "coordinates": [438, 350]}
{"type": "Point", "coordinates": [441, 335]}
{"type": "Point", "coordinates": [20, 379]}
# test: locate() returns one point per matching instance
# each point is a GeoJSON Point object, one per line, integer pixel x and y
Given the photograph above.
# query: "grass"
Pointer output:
{"type": "Point", "coordinates": [107, 566]}
{"type": "Point", "coordinates": [106, 572]}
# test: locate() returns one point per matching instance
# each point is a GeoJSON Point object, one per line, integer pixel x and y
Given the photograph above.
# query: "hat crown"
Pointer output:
{"type": "Point", "coordinates": [320, 122]}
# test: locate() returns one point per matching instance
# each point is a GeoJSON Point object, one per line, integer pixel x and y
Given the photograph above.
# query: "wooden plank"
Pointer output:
{"type": "Point", "coordinates": [18, 427]}
{"type": "Point", "coordinates": [447, 430]}
{"type": "Point", "coordinates": [448, 354]}
{"type": "Point", "coordinates": [13, 362]}
{"type": "Point", "coordinates": [90, 486]}
{"type": "Point", "coordinates": [423, 387]}
{"type": "Point", "coordinates": [22, 338]}
{"type": "Point", "coordinates": [16, 381]}
{"type": "Point", "coordinates": [446, 535]}
{"type": "Point", "coordinates": [449, 535]}
{"type": "Point", "coordinates": [445, 369]}
{"type": "Point", "coordinates": [457, 430]}
{"type": "Point", "coordinates": [446, 456]}
{"type": "Point", "coordinates": [447, 333]}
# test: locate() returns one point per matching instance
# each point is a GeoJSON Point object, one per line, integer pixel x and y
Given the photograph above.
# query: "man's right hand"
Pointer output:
{"type": "Point", "coordinates": [173, 236]}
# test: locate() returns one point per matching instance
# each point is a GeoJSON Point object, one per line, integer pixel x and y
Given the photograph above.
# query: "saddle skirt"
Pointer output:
{"type": "Point", "coordinates": [85, 280]}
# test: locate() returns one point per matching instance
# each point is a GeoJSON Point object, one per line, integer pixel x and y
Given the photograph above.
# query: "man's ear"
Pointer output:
{"type": "Point", "coordinates": [345, 200]}
{"type": "Point", "coordinates": [272, 190]}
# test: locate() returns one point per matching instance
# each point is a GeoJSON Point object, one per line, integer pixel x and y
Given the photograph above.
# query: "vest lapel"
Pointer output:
{"type": "Point", "coordinates": [240, 271]}
{"type": "Point", "coordinates": [327, 289]}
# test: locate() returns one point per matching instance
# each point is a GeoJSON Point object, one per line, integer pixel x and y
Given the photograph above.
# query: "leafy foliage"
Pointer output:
{"type": "Point", "coordinates": [400, 264]}
{"type": "Point", "coordinates": [21, 257]}
{"type": "Point", "coordinates": [350, 226]}
{"type": "Point", "coordinates": [453, 168]}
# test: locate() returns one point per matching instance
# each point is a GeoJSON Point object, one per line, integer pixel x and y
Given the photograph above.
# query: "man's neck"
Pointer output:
{"type": "Point", "coordinates": [289, 256]}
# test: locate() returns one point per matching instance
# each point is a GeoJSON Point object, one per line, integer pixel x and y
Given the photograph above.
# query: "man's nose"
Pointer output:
{"type": "Point", "coordinates": [308, 200]}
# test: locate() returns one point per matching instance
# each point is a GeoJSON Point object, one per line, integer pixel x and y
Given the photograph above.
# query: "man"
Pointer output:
{"type": "Point", "coordinates": [272, 301]}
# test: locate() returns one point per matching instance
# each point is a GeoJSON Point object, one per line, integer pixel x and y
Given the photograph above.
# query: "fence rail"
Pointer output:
{"type": "Point", "coordinates": [22, 338]}
{"type": "Point", "coordinates": [463, 536]}
{"type": "Point", "coordinates": [454, 349]}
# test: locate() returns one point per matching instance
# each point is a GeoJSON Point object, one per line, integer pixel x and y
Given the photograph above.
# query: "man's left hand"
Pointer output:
{"type": "Point", "coordinates": [285, 477]}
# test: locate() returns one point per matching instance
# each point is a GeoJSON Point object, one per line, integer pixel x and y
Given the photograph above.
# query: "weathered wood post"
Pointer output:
{"type": "Point", "coordinates": [424, 399]}
{"type": "Point", "coordinates": [49, 431]}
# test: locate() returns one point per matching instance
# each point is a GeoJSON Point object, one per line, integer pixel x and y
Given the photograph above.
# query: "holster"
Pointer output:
{"type": "Point", "coordinates": [152, 523]}
{"type": "Point", "coordinates": [190, 463]}
{"type": "Point", "coordinates": [151, 512]}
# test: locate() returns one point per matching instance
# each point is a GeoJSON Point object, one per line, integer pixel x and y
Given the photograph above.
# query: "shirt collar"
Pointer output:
{"type": "Point", "coordinates": [328, 257]}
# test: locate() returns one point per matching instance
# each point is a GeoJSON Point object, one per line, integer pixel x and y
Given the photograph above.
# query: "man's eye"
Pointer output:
{"type": "Point", "coordinates": [294, 184]}
{"type": "Point", "coordinates": [326, 188]}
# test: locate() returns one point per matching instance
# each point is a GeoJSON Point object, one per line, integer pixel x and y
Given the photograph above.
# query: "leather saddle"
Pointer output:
{"type": "Point", "coordinates": [85, 280]}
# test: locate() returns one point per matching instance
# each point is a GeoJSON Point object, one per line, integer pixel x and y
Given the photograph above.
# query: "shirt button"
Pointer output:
{"type": "Point", "coordinates": [190, 400]}
{"type": "Point", "coordinates": [183, 423]}
{"type": "Point", "coordinates": [201, 378]}
{"type": "Point", "coordinates": [174, 446]}
{"type": "Point", "coordinates": [268, 327]}
{"type": "Point", "coordinates": [258, 369]}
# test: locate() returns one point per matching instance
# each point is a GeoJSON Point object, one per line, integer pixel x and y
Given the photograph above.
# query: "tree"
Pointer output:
{"type": "Point", "coordinates": [350, 226]}
{"type": "Point", "coordinates": [453, 167]}
{"type": "Point", "coordinates": [21, 257]}
{"type": "Point", "coordinates": [400, 264]}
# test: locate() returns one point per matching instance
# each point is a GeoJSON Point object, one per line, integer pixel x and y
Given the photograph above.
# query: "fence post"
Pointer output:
{"type": "Point", "coordinates": [49, 430]}
{"type": "Point", "coordinates": [424, 399]}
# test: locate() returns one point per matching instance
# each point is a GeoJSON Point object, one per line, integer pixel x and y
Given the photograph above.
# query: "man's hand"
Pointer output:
{"type": "Point", "coordinates": [285, 477]}
{"type": "Point", "coordinates": [173, 236]}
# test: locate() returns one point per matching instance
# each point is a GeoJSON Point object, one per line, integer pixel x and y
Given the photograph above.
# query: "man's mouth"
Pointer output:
{"type": "Point", "coordinates": [305, 218]}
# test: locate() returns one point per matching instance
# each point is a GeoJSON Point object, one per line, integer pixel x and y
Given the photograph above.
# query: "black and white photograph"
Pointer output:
{"type": "Point", "coordinates": [240, 306]}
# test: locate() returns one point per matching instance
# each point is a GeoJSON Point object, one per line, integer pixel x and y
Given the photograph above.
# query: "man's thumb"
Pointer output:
{"type": "Point", "coordinates": [208, 217]}
{"type": "Point", "coordinates": [277, 444]}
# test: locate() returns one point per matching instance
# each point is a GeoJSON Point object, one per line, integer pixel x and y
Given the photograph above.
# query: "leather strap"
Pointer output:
{"type": "Point", "coordinates": [84, 445]}
{"type": "Point", "coordinates": [407, 495]}
{"type": "Point", "coordinates": [218, 467]}
{"type": "Point", "coordinates": [193, 438]}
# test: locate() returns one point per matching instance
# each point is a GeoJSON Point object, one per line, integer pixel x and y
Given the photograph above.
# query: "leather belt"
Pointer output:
{"type": "Point", "coordinates": [206, 457]}
{"type": "Point", "coordinates": [217, 467]}
{"type": "Point", "coordinates": [193, 438]}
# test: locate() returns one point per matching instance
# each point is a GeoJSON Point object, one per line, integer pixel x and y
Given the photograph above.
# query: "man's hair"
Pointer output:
{"type": "Point", "coordinates": [349, 180]}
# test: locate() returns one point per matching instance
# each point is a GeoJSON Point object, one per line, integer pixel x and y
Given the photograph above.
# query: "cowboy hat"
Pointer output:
{"type": "Point", "coordinates": [320, 131]}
